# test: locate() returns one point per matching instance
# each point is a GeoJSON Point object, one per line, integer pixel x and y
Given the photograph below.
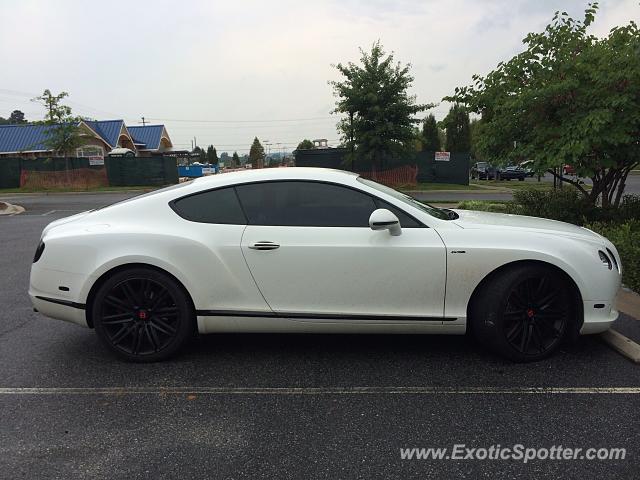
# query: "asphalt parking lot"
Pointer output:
{"type": "Point", "coordinates": [288, 406]}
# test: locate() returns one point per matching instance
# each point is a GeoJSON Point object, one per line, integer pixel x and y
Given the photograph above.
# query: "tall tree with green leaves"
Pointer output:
{"type": "Point", "coordinates": [305, 145]}
{"type": "Point", "coordinates": [457, 130]}
{"type": "Point", "coordinates": [256, 154]}
{"type": "Point", "coordinates": [569, 98]}
{"type": "Point", "coordinates": [473, 132]}
{"type": "Point", "coordinates": [378, 112]}
{"type": "Point", "coordinates": [17, 118]}
{"type": "Point", "coordinates": [235, 160]}
{"type": "Point", "coordinates": [64, 134]}
{"type": "Point", "coordinates": [430, 137]}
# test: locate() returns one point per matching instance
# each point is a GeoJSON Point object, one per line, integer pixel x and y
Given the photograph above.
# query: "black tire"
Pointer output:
{"type": "Point", "coordinates": [143, 315]}
{"type": "Point", "coordinates": [524, 313]}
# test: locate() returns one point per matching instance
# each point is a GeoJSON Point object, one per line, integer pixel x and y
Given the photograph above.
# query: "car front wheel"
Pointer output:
{"type": "Point", "coordinates": [524, 313]}
{"type": "Point", "coordinates": [142, 315]}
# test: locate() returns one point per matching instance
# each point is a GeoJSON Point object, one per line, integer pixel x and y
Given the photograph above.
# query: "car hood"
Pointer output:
{"type": "Point", "coordinates": [474, 219]}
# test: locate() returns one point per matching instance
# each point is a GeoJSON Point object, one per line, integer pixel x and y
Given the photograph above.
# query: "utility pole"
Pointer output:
{"type": "Point", "coordinates": [143, 122]}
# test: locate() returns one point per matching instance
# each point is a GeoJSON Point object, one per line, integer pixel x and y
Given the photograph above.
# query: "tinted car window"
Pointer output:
{"type": "Point", "coordinates": [214, 206]}
{"type": "Point", "coordinates": [305, 204]}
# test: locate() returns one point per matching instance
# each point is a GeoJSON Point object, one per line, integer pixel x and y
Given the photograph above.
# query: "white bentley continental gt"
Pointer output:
{"type": "Point", "coordinates": [317, 250]}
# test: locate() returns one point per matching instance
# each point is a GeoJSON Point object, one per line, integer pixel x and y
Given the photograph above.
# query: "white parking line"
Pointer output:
{"type": "Point", "coordinates": [319, 390]}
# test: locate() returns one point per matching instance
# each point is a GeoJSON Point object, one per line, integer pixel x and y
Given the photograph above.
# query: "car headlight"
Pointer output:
{"type": "Point", "coordinates": [613, 258]}
{"type": "Point", "coordinates": [605, 259]}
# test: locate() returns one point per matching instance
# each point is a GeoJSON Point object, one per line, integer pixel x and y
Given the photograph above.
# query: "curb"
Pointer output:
{"type": "Point", "coordinates": [9, 209]}
{"type": "Point", "coordinates": [621, 344]}
{"type": "Point", "coordinates": [9, 195]}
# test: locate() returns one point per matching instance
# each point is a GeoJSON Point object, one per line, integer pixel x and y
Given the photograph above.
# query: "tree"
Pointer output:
{"type": "Point", "coordinates": [430, 135]}
{"type": "Point", "coordinates": [379, 111]}
{"type": "Point", "coordinates": [56, 112]}
{"type": "Point", "coordinates": [473, 132]}
{"type": "Point", "coordinates": [256, 154]}
{"type": "Point", "coordinates": [16, 118]}
{"type": "Point", "coordinates": [235, 160]}
{"type": "Point", "coordinates": [224, 158]}
{"type": "Point", "coordinates": [569, 98]}
{"type": "Point", "coordinates": [63, 135]}
{"type": "Point", "coordinates": [305, 145]}
{"type": "Point", "coordinates": [201, 154]}
{"type": "Point", "coordinates": [212, 155]}
{"type": "Point", "coordinates": [456, 126]}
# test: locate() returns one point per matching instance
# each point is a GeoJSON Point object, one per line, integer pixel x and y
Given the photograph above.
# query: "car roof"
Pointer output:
{"type": "Point", "coordinates": [266, 174]}
{"type": "Point", "coordinates": [238, 177]}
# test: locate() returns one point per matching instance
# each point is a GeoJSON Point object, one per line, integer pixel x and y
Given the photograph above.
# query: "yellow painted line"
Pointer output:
{"type": "Point", "coordinates": [391, 390]}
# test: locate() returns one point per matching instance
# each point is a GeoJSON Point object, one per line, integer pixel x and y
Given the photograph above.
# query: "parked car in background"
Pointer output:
{"type": "Point", "coordinates": [568, 170]}
{"type": "Point", "coordinates": [483, 171]}
{"type": "Point", "coordinates": [511, 172]}
{"type": "Point", "coordinates": [527, 166]}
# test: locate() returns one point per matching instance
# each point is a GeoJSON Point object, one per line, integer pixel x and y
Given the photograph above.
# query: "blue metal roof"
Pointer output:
{"type": "Point", "coordinates": [23, 138]}
{"type": "Point", "coordinates": [30, 137]}
{"type": "Point", "coordinates": [109, 130]}
{"type": "Point", "coordinates": [148, 135]}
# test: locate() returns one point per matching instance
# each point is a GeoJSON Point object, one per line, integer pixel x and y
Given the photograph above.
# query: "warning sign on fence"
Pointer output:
{"type": "Point", "coordinates": [97, 160]}
{"type": "Point", "coordinates": [443, 156]}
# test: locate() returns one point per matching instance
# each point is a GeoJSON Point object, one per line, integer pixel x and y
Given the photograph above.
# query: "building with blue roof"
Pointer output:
{"type": "Point", "coordinates": [100, 137]}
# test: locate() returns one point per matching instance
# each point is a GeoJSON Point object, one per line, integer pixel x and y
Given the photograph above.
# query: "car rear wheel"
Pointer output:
{"type": "Point", "coordinates": [142, 315]}
{"type": "Point", "coordinates": [524, 313]}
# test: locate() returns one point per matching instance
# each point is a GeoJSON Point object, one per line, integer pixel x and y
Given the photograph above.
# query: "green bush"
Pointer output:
{"type": "Point", "coordinates": [630, 207]}
{"type": "Point", "coordinates": [569, 205]}
{"type": "Point", "coordinates": [566, 204]}
{"type": "Point", "coordinates": [626, 238]}
{"type": "Point", "coordinates": [484, 206]}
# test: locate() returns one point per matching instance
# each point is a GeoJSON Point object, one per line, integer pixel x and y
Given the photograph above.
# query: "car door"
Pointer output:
{"type": "Point", "coordinates": [312, 254]}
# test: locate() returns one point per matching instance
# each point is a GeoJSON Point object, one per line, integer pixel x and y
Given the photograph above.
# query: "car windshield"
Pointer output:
{"type": "Point", "coordinates": [440, 213]}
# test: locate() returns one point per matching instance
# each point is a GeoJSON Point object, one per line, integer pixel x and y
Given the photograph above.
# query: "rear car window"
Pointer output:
{"type": "Point", "coordinates": [213, 206]}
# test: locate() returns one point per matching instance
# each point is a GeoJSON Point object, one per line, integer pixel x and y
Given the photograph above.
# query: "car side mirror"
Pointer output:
{"type": "Point", "coordinates": [383, 219]}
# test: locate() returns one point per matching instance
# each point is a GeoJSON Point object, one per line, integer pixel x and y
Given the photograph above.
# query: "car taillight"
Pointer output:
{"type": "Point", "coordinates": [39, 251]}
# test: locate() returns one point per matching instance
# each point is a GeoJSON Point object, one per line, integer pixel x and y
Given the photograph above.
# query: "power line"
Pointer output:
{"type": "Point", "coordinates": [246, 143]}
{"type": "Point", "coordinates": [241, 121]}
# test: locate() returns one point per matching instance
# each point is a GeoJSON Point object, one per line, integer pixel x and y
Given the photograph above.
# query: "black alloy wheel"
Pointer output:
{"type": "Point", "coordinates": [525, 312]}
{"type": "Point", "coordinates": [535, 317]}
{"type": "Point", "coordinates": [142, 315]}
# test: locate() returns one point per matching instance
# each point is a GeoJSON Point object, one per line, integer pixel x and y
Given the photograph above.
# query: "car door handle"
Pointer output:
{"type": "Point", "coordinates": [264, 245]}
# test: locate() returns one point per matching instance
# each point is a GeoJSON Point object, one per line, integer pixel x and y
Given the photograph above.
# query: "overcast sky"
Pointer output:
{"type": "Point", "coordinates": [226, 71]}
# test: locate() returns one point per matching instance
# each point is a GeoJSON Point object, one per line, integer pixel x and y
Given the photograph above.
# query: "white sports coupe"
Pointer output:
{"type": "Point", "coordinates": [317, 250]}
